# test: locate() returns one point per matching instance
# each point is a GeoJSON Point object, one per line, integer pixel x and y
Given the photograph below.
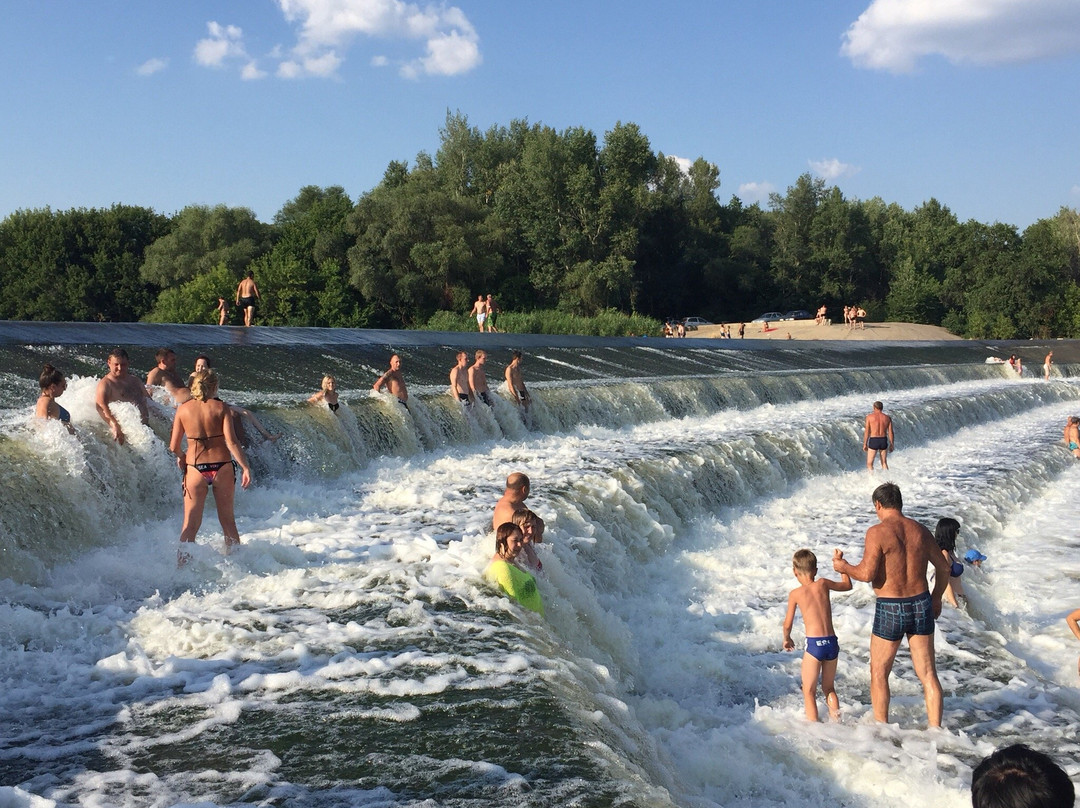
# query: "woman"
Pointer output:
{"type": "Point", "coordinates": [210, 460]}
{"type": "Point", "coordinates": [202, 362]}
{"type": "Point", "coordinates": [945, 533]}
{"type": "Point", "coordinates": [532, 530]}
{"type": "Point", "coordinates": [53, 384]}
{"type": "Point", "coordinates": [328, 393]}
{"type": "Point", "coordinates": [515, 582]}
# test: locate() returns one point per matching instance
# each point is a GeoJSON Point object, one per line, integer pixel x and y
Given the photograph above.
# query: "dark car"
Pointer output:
{"type": "Point", "coordinates": [799, 314]}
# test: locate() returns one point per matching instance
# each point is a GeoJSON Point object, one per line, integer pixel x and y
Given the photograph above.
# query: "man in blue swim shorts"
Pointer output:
{"type": "Point", "coordinates": [895, 556]}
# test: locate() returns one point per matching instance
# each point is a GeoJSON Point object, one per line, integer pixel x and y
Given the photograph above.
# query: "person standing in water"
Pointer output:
{"type": "Point", "coordinates": [246, 295]}
{"type": "Point", "coordinates": [394, 382]}
{"type": "Point", "coordinates": [52, 384]}
{"type": "Point", "coordinates": [164, 374]}
{"type": "Point", "coordinates": [516, 382]}
{"type": "Point", "coordinates": [478, 379]}
{"type": "Point", "coordinates": [877, 436]}
{"type": "Point", "coordinates": [895, 556]}
{"type": "Point", "coordinates": [1046, 365]}
{"type": "Point", "coordinates": [212, 448]}
{"type": "Point", "coordinates": [119, 385]}
{"type": "Point", "coordinates": [459, 380]}
{"type": "Point", "coordinates": [513, 498]}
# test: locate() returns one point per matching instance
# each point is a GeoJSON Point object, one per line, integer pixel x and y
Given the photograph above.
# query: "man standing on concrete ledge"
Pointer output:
{"type": "Point", "coordinates": [895, 556]}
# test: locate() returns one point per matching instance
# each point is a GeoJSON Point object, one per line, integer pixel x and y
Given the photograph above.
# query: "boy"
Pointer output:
{"type": "Point", "coordinates": [822, 649]}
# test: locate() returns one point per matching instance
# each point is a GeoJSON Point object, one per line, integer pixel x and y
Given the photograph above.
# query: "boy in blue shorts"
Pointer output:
{"type": "Point", "coordinates": [811, 597]}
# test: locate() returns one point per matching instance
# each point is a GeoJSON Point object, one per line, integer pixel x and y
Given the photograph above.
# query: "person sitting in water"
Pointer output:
{"type": "Point", "coordinates": [327, 394]}
{"type": "Point", "coordinates": [945, 535]}
{"type": "Point", "coordinates": [514, 581]}
{"type": "Point", "coordinates": [974, 558]}
{"type": "Point", "coordinates": [1072, 434]}
{"type": "Point", "coordinates": [239, 414]}
{"type": "Point", "coordinates": [513, 498]}
{"type": "Point", "coordinates": [53, 384]}
{"type": "Point", "coordinates": [164, 374]}
{"type": "Point", "coordinates": [394, 382]}
{"type": "Point", "coordinates": [209, 461]}
{"type": "Point", "coordinates": [532, 528]}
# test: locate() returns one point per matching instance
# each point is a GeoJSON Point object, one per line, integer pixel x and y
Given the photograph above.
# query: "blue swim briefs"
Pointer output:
{"type": "Point", "coordinates": [823, 648]}
{"type": "Point", "coordinates": [896, 617]}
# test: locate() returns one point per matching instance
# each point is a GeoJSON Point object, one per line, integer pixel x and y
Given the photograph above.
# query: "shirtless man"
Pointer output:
{"type": "Point", "coordinates": [394, 382]}
{"type": "Point", "coordinates": [479, 309]}
{"type": "Point", "coordinates": [478, 379]}
{"type": "Point", "coordinates": [492, 312]}
{"type": "Point", "coordinates": [459, 380]}
{"type": "Point", "coordinates": [1046, 365]}
{"type": "Point", "coordinates": [895, 556]}
{"type": "Point", "coordinates": [246, 295]}
{"type": "Point", "coordinates": [516, 382]}
{"type": "Point", "coordinates": [119, 385]}
{"type": "Point", "coordinates": [877, 436]}
{"type": "Point", "coordinates": [164, 374]}
{"type": "Point", "coordinates": [1072, 434]}
{"type": "Point", "coordinates": [513, 499]}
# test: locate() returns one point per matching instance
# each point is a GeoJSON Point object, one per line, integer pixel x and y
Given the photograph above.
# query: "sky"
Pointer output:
{"type": "Point", "coordinates": [970, 102]}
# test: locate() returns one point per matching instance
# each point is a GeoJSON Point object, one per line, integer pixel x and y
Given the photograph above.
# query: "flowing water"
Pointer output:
{"type": "Point", "coordinates": [351, 654]}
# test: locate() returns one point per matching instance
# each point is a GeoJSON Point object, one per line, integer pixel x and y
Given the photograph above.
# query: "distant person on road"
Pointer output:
{"type": "Point", "coordinates": [222, 310]}
{"type": "Point", "coordinates": [52, 384]}
{"type": "Point", "coordinates": [492, 314]}
{"type": "Point", "coordinates": [742, 330]}
{"type": "Point", "coordinates": [878, 436]}
{"type": "Point", "coordinates": [896, 553]}
{"type": "Point", "coordinates": [1046, 365]}
{"type": "Point", "coordinates": [459, 380]}
{"type": "Point", "coordinates": [246, 295]}
{"type": "Point", "coordinates": [516, 382]}
{"type": "Point", "coordinates": [479, 310]}
{"type": "Point", "coordinates": [478, 379]}
{"type": "Point", "coordinates": [394, 382]}
{"type": "Point", "coordinates": [811, 597]}
{"type": "Point", "coordinates": [119, 385]}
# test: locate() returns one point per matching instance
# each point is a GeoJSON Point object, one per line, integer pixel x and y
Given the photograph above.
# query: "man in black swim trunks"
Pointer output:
{"type": "Point", "coordinates": [459, 380]}
{"type": "Point", "coordinates": [246, 295]}
{"type": "Point", "coordinates": [877, 436]}
{"type": "Point", "coordinates": [894, 562]}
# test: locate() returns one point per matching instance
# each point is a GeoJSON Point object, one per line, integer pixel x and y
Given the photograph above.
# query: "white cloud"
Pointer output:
{"type": "Point", "coordinates": [894, 35]}
{"type": "Point", "coordinates": [683, 163]}
{"type": "Point", "coordinates": [832, 169]}
{"type": "Point", "coordinates": [751, 192]}
{"type": "Point", "coordinates": [251, 71]}
{"type": "Point", "coordinates": [152, 66]}
{"type": "Point", "coordinates": [225, 43]}
{"type": "Point", "coordinates": [328, 27]}
{"type": "Point", "coordinates": [379, 61]}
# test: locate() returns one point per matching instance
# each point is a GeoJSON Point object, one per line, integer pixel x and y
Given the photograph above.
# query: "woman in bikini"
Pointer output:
{"type": "Point", "coordinates": [53, 384]}
{"type": "Point", "coordinates": [208, 461]}
{"type": "Point", "coordinates": [327, 394]}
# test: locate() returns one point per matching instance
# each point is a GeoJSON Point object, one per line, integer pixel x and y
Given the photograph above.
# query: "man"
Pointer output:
{"type": "Point", "coordinates": [877, 436]}
{"type": "Point", "coordinates": [394, 382]}
{"type": "Point", "coordinates": [459, 380]}
{"type": "Point", "coordinates": [479, 309]}
{"type": "Point", "coordinates": [246, 295]}
{"type": "Point", "coordinates": [478, 379]}
{"type": "Point", "coordinates": [1020, 776]}
{"type": "Point", "coordinates": [894, 561]}
{"type": "Point", "coordinates": [119, 385]}
{"type": "Point", "coordinates": [164, 375]}
{"type": "Point", "coordinates": [513, 499]}
{"type": "Point", "coordinates": [492, 311]}
{"type": "Point", "coordinates": [1046, 365]}
{"type": "Point", "coordinates": [516, 382]}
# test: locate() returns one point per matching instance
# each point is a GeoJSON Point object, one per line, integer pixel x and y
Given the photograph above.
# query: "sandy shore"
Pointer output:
{"type": "Point", "coordinates": [807, 329]}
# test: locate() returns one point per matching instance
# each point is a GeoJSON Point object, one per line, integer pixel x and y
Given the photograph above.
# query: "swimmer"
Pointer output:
{"type": "Point", "coordinates": [1072, 435]}
{"type": "Point", "coordinates": [513, 498]}
{"type": "Point", "coordinates": [1073, 619]}
{"type": "Point", "coordinates": [532, 528]}
{"type": "Point", "coordinates": [1046, 365]}
{"type": "Point", "coordinates": [239, 414]}
{"type": "Point", "coordinates": [164, 374]}
{"type": "Point", "coordinates": [119, 385]}
{"type": "Point", "coordinates": [945, 534]}
{"type": "Point", "coordinates": [811, 597]}
{"type": "Point", "coordinates": [878, 438]}
{"type": "Point", "coordinates": [52, 384]}
{"type": "Point", "coordinates": [513, 580]}
{"type": "Point", "coordinates": [393, 381]}
{"type": "Point", "coordinates": [459, 380]}
{"type": "Point", "coordinates": [328, 394]}
{"type": "Point", "coordinates": [515, 382]}
{"type": "Point", "coordinates": [478, 379]}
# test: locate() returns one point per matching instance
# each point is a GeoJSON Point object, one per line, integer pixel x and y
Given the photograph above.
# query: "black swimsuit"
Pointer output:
{"type": "Point", "coordinates": [333, 407]}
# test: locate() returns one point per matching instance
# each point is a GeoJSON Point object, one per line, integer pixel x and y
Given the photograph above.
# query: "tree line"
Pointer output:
{"type": "Point", "coordinates": [546, 221]}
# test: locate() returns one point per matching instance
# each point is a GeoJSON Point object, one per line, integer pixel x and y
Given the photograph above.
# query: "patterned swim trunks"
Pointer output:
{"type": "Point", "coordinates": [896, 617]}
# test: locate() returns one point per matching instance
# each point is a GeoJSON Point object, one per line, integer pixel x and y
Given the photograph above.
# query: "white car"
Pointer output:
{"type": "Point", "coordinates": [768, 317]}
{"type": "Point", "coordinates": [692, 323]}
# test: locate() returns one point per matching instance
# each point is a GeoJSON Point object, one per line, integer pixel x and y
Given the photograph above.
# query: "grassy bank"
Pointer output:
{"type": "Point", "coordinates": [608, 323]}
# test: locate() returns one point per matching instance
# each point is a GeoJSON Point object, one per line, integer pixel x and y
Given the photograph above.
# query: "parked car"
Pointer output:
{"type": "Point", "coordinates": [768, 317]}
{"type": "Point", "coordinates": [692, 323]}
{"type": "Point", "coordinates": [799, 314]}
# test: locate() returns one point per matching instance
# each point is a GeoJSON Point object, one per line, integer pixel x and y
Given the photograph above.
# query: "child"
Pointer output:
{"type": "Point", "coordinates": [822, 649]}
{"type": "Point", "coordinates": [1073, 619]}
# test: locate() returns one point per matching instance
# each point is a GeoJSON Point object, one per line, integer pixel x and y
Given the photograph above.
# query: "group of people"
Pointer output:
{"type": "Point", "coordinates": [819, 318]}
{"type": "Point", "coordinates": [515, 564]}
{"type": "Point", "coordinates": [676, 330]}
{"type": "Point", "coordinates": [854, 317]}
{"type": "Point", "coordinates": [486, 311]}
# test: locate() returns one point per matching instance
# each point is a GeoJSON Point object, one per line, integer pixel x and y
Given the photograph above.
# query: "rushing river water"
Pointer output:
{"type": "Point", "coordinates": [351, 654]}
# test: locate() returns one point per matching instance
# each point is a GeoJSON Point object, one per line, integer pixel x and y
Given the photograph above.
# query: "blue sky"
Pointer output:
{"type": "Point", "coordinates": [973, 102]}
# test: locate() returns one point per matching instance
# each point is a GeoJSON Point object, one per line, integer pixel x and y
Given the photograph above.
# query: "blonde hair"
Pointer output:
{"type": "Point", "coordinates": [522, 516]}
{"type": "Point", "coordinates": [204, 384]}
{"type": "Point", "coordinates": [804, 561]}
{"type": "Point", "coordinates": [326, 381]}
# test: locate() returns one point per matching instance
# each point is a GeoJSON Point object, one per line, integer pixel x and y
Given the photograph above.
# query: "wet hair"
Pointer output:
{"type": "Point", "coordinates": [119, 353]}
{"type": "Point", "coordinates": [888, 495]}
{"type": "Point", "coordinates": [204, 384]}
{"type": "Point", "coordinates": [516, 354]}
{"type": "Point", "coordinates": [326, 381]}
{"type": "Point", "coordinates": [1019, 777]}
{"type": "Point", "coordinates": [945, 533]}
{"type": "Point", "coordinates": [503, 533]}
{"type": "Point", "coordinates": [161, 353]}
{"type": "Point", "coordinates": [523, 516]}
{"type": "Point", "coordinates": [49, 377]}
{"type": "Point", "coordinates": [478, 354]}
{"type": "Point", "coordinates": [878, 405]}
{"type": "Point", "coordinates": [804, 561]}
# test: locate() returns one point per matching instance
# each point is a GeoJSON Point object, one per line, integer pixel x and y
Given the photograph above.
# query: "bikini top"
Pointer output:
{"type": "Point", "coordinates": [64, 416]}
{"type": "Point", "coordinates": [333, 407]}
